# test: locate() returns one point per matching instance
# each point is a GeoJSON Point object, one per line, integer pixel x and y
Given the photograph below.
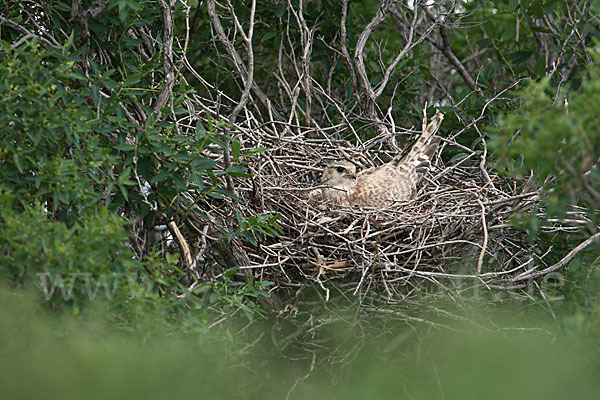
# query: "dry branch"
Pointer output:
{"type": "Point", "coordinates": [457, 228]}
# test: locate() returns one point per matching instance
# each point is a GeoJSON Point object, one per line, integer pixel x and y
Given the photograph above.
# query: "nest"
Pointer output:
{"type": "Point", "coordinates": [455, 232]}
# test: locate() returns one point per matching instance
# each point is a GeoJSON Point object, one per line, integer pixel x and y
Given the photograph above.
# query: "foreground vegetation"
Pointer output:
{"type": "Point", "coordinates": [522, 354]}
{"type": "Point", "coordinates": [121, 136]}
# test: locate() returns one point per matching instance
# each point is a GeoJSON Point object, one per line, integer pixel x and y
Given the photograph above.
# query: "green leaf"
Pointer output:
{"type": "Point", "coordinates": [458, 157]}
{"type": "Point", "coordinates": [226, 193]}
{"type": "Point", "coordinates": [160, 176]}
{"type": "Point", "coordinates": [95, 94]}
{"type": "Point", "coordinates": [179, 183]}
{"type": "Point", "coordinates": [519, 57]}
{"type": "Point", "coordinates": [6, 46]}
{"type": "Point", "coordinates": [539, 69]}
{"type": "Point", "coordinates": [124, 192]}
{"type": "Point", "coordinates": [124, 176]}
{"type": "Point", "coordinates": [132, 79]}
{"type": "Point", "coordinates": [280, 10]}
{"type": "Point", "coordinates": [255, 150]}
{"type": "Point", "coordinates": [69, 42]}
{"type": "Point", "coordinates": [76, 75]}
{"type": "Point", "coordinates": [490, 29]}
{"type": "Point", "coordinates": [200, 133]}
{"type": "Point", "coordinates": [249, 236]}
{"type": "Point", "coordinates": [269, 35]}
{"type": "Point", "coordinates": [235, 148]}
{"type": "Point", "coordinates": [238, 171]}
{"type": "Point", "coordinates": [203, 164]}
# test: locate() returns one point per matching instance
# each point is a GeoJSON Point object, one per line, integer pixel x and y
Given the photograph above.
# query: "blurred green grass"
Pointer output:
{"type": "Point", "coordinates": [52, 355]}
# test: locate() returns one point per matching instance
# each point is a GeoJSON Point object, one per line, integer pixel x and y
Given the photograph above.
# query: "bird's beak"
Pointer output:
{"type": "Point", "coordinates": [353, 176]}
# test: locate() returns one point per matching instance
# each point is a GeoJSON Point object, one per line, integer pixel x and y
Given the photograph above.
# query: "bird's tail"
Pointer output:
{"type": "Point", "coordinates": [418, 158]}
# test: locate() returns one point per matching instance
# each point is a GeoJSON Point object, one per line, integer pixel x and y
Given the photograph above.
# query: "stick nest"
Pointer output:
{"type": "Point", "coordinates": [457, 228]}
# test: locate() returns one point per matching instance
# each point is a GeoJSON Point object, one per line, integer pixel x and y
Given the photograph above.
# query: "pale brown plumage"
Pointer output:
{"type": "Point", "coordinates": [387, 184]}
{"type": "Point", "coordinates": [339, 178]}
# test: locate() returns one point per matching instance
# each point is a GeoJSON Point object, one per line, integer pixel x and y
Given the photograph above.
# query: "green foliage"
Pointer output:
{"type": "Point", "coordinates": [256, 228]}
{"type": "Point", "coordinates": [583, 276]}
{"type": "Point", "coordinates": [50, 153]}
{"type": "Point", "coordinates": [554, 138]}
{"type": "Point", "coordinates": [83, 358]}
{"type": "Point", "coordinates": [507, 30]}
{"type": "Point", "coordinates": [76, 160]}
{"type": "Point", "coordinates": [237, 295]}
{"type": "Point", "coordinates": [36, 249]}
{"type": "Point", "coordinates": [555, 134]}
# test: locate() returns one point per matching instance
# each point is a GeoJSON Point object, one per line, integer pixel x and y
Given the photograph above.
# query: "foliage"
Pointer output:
{"type": "Point", "coordinates": [236, 295]}
{"type": "Point", "coordinates": [52, 157]}
{"type": "Point", "coordinates": [113, 123]}
{"type": "Point", "coordinates": [85, 159]}
{"type": "Point", "coordinates": [84, 358]}
{"type": "Point", "coordinates": [555, 134]}
{"type": "Point", "coordinates": [116, 125]}
{"type": "Point", "coordinates": [256, 229]}
{"type": "Point", "coordinates": [35, 248]}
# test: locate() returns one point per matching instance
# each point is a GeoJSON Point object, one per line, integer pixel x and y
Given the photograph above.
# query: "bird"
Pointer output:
{"type": "Point", "coordinates": [339, 178]}
{"type": "Point", "coordinates": [385, 185]}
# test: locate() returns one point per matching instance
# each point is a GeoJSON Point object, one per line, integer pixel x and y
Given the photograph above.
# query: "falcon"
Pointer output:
{"type": "Point", "coordinates": [387, 184]}
{"type": "Point", "coordinates": [339, 179]}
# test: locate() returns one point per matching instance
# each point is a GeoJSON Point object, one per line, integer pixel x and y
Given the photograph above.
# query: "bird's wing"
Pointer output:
{"type": "Point", "coordinates": [417, 161]}
{"type": "Point", "coordinates": [397, 180]}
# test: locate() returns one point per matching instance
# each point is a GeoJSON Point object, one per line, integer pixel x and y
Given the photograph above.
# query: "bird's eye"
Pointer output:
{"type": "Point", "coordinates": [340, 169]}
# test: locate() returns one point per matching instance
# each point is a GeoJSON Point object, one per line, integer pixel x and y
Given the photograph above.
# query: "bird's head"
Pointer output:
{"type": "Point", "coordinates": [339, 174]}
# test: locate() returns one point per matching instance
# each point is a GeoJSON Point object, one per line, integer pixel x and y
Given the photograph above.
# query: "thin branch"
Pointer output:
{"type": "Point", "coordinates": [446, 49]}
{"type": "Point", "coordinates": [165, 94]}
{"type": "Point", "coordinates": [237, 59]}
{"type": "Point", "coordinates": [407, 47]}
{"type": "Point", "coordinates": [359, 55]}
{"type": "Point", "coordinates": [344, 46]}
{"type": "Point", "coordinates": [26, 31]}
{"type": "Point", "coordinates": [485, 237]}
{"type": "Point", "coordinates": [563, 262]}
{"type": "Point", "coordinates": [249, 79]}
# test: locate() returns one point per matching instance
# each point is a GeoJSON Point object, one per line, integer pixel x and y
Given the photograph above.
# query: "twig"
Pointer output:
{"type": "Point", "coordinates": [564, 261]}
{"type": "Point", "coordinates": [185, 248]}
{"type": "Point", "coordinates": [485, 237]}
{"type": "Point", "coordinates": [445, 47]}
{"type": "Point", "coordinates": [165, 94]}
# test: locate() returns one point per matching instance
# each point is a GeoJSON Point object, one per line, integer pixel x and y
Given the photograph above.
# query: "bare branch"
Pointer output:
{"type": "Point", "coordinates": [344, 46]}
{"type": "Point", "coordinates": [249, 81]}
{"type": "Point", "coordinates": [529, 275]}
{"type": "Point", "coordinates": [235, 57]}
{"type": "Point", "coordinates": [165, 94]}
{"type": "Point", "coordinates": [359, 55]}
{"type": "Point", "coordinates": [27, 32]}
{"type": "Point", "coordinates": [446, 49]}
